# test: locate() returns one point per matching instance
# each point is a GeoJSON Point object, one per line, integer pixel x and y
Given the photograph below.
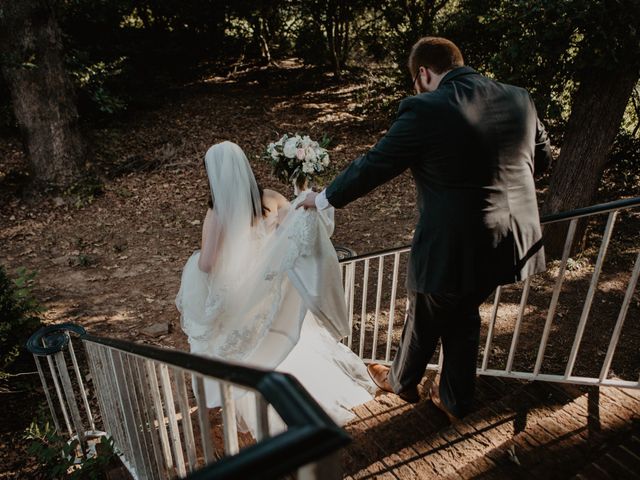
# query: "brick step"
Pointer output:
{"type": "Point", "coordinates": [558, 444]}
{"type": "Point", "coordinates": [619, 461]}
{"type": "Point", "coordinates": [396, 440]}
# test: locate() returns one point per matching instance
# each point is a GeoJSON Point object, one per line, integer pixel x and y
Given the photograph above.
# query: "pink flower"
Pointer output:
{"type": "Point", "coordinates": [300, 153]}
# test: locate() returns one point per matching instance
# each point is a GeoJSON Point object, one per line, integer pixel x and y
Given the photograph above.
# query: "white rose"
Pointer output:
{"type": "Point", "coordinates": [306, 141]}
{"type": "Point", "coordinates": [310, 154]}
{"type": "Point", "coordinates": [290, 148]}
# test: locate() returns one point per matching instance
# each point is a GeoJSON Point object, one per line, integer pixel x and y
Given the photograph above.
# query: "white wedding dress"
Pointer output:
{"type": "Point", "coordinates": [277, 302]}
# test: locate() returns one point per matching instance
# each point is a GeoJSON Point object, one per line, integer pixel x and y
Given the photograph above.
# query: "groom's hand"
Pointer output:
{"type": "Point", "coordinates": [309, 201]}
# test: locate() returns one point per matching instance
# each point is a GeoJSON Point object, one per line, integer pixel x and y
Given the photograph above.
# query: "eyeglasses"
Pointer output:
{"type": "Point", "coordinates": [415, 79]}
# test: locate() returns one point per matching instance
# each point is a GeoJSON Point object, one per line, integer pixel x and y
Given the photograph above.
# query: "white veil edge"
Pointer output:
{"type": "Point", "coordinates": [250, 307]}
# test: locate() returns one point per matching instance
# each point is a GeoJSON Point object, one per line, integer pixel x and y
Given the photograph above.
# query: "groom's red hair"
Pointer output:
{"type": "Point", "coordinates": [436, 53]}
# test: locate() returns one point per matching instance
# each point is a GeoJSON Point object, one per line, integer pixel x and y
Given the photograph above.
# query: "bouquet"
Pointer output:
{"type": "Point", "coordinates": [298, 159]}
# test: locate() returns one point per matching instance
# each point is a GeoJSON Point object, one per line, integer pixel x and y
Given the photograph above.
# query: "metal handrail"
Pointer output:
{"type": "Point", "coordinates": [307, 424]}
{"type": "Point", "coordinates": [552, 218]}
{"type": "Point", "coordinates": [586, 211]}
{"type": "Point", "coordinates": [368, 322]}
{"type": "Point", "coordinates": [310, 436]}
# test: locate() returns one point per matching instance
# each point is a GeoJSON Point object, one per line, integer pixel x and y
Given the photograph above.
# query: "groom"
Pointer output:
{"type": "Point", "coordinates": [472, 145]}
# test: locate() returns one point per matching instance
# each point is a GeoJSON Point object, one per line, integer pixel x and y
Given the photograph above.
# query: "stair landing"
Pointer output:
{"type": "Point", "coordinates": [519, 430]}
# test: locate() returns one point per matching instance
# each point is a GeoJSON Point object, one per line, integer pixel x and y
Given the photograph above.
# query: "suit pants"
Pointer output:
{"type": "Point", "coordinates": [454, 319]}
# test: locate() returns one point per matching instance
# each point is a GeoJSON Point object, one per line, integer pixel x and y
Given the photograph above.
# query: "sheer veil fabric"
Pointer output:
{"type": "Point", "coordinates": [266, 274]}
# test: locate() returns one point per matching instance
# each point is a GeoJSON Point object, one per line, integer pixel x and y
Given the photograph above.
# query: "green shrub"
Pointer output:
{"type": "Point", "coordinates": [19, 316]}
{"type": "Point", "coordinates": [622, 173]}
{"type": "Point", "coordinates": [60, 459]}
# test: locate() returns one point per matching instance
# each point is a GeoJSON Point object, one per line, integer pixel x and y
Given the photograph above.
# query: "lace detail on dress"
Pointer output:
{"type": "Point", "coordinates": [242, 343]}
{"type": "Point", "coordinates": [303, 237]}
{"type": "Point", "coordinates": [236, 338]}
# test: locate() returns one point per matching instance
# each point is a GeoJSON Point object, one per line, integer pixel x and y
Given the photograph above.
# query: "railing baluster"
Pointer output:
{"type": "Point", "coordinates": [147, 409]}
{"type": "Point", "coordinates": [157, 406]}
{"type": "Point", "coordinates": [67, 388]}
{"type": "Point", "coordinates": [392, 306]}
{"type": "Point", "coordinates": [187, 428]}
{"type": "Point", "coordinates": [170, 408]}
{"type": "Point", "coordinates": [110, 400]}
{"type": "Point", "coordinates": [377, 314]}
{"type": "Point", "coordinates": [555, 296]}
{"type": "Point", "coordinates": [141, 424]}
{"type": "Point", "coordinates": [126, 403]}
{"type": "Point", "coordinates": [98, 387]}
{"type": "Point", "coordinates": [229, 425]}
{"type": "Point", "coordinates": [262, 417]}
{"type": "Point", "coordinates": [45, 386]}
{"type": "Point", "coordinates": [492, 323]}
{"type": "Point", "coordinates": [516, 331]}
{"type": "Point", "coordinates": [83, 393]}
{"type": "Point", "coordinates": [352, 285]}
{"type": "Point", "coordinates": [56, 384]}
{"type": "Point", "coordinates": [363, 312]}
{"type": "Point", "coordinates": [592, 290]}
{"type": "Point", "coordinates": [615, 336]}
{"type": "Point", "coordinates": [203, 419]}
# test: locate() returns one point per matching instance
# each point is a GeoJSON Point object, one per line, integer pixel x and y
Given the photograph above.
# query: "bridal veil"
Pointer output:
{"type": "Point", "coordinates": [263, 279]}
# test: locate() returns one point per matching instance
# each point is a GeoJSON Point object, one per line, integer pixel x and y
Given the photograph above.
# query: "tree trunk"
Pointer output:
{"type": "Point", "coordinates": [333, 53]}
{"type": "Point", "coordinates": [260, 39]}
{"type": "Point", "coordinates": [41, 92]}
{"type": "Point", "coordinates": [331, 30]}
{"type": "Point", "coordinates": [593, 125]}
{"type": "Point", "coordinates": [345, 24]}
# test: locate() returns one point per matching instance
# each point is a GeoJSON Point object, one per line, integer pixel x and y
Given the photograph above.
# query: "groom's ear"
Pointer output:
{"type": "Point", "coordinates": [427, 74]}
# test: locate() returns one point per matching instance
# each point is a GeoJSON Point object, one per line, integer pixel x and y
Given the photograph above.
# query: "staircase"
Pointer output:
{"type": "Point", "coordinates": [520, 430]}
{"type": "Point", "coordinates": [548, 401]}
{"type": "Point", "coordinates": [549, 404]}
{"type": "Point", "coordinates": [621, 461]}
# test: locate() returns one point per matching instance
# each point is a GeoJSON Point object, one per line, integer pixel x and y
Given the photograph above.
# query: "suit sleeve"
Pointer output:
{"type": "Point", "coordinates": [393, 154]}
{"type": "Point", "coordinates": [542, 157]}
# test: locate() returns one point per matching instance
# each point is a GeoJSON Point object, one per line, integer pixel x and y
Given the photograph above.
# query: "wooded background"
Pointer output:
{"type": "Point", "coordinates": [67, 64]}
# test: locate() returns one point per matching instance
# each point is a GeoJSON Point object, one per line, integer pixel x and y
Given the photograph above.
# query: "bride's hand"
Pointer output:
{"type": "Point", "coordinates": [309, 201]}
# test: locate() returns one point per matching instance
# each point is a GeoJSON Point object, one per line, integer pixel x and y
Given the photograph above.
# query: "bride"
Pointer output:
{"type": "Point", "coordinates": [265, 290]}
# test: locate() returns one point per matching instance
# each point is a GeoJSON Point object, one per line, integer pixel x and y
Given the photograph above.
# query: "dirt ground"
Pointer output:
{"type": "Point", "coordinates": [112, 262]}
{"type": "Point", "coordinates": [113, 265]}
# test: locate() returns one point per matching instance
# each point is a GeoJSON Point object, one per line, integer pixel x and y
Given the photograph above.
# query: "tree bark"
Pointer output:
{"type": "Point", "coordinates": [260, 38]}
{"type": "Point", "coordinates": [333, 54]}
{"type": "Point", "coordinates": [331, 30]}
{"type": "Point", "coordinates": [41, 92]}
{"type": "Point", "coordinates": [593, 125]}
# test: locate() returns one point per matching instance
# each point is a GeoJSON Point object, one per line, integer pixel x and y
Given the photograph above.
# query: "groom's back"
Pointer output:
{"type": "Point", "coordinates": [475, 182]}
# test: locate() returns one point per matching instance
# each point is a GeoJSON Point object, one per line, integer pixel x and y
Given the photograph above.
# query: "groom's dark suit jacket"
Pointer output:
{"type": "Point", "coordinates": [472, 147]}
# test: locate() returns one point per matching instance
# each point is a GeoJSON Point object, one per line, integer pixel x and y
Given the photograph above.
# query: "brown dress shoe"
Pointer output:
{"type": "Point", "coordinates": [434, 394]}
{"type": "Point", "coordinates": [379, 374]}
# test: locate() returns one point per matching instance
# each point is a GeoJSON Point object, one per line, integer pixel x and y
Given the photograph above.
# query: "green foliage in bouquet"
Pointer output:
{"type": "Point", "coordinates": [19, 315]}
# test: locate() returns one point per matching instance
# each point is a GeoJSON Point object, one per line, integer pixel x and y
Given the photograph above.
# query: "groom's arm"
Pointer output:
{"type": "Point", "coordinates": [542, 154]}
{"type": "Point", "coordinates": [393, 154]}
